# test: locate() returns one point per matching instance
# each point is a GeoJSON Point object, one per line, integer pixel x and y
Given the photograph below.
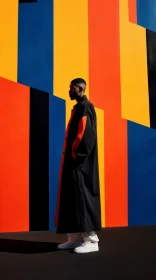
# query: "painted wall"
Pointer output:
{"type": "Point", "coordinates": [47, 43]}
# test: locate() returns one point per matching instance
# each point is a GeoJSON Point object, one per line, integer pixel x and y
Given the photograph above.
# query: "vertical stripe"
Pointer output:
{"type": "Point", "coordinates": [39, 161]}
{"type": "Point", "coordinates": [141, 170]}
{"type": "Point", "coordinates": [100, 134]}
{"type": "Point", "coordinates": [133, 65]}
{"type": "Point", "coordinates": [56, 137]}
{"type": "Point", "coordinates": [146, 14]}
{"type": "Point", "coordinates": [151, 59]}
{"type": "Point", "coordinates": [104, 83]}
{"type": "Point", "coordinates": [35, 68]}
{"type": "Point", "coordinates": [116, 173]}
{"type": "Point", "coordinates": [70, 46]}
{"type": "Point", "coordinates": [8, 37]}
{"type": "Point", "coordinates": [35, 46]}
{"type": "Point", "coordinates": [146, 18]}
{"type": "Point", "coordinates": [133, 11]}
{"type": "Point", "coordinates": [14, 157]}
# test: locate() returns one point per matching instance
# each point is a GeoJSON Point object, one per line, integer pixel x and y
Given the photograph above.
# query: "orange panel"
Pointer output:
{"type": "Point", "coordinates": [132, 10]}
{"type": "Point", "coordinates": [14, 156]}
{"type": "Point", "coordinates": [116, 170]}
{"type": "Point", "coordinates": [104, 84]}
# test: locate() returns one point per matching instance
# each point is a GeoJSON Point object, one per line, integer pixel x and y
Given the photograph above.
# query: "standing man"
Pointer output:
{"type": "Point", "coordinates": [78, 207]}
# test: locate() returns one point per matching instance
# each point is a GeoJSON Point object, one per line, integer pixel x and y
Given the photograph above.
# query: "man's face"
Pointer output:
{"type": "Point", "coordinates": [74, 91]}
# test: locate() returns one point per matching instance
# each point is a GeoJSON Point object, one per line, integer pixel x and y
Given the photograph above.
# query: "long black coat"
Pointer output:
{"type": "Point", "coordinates": [78, 207]}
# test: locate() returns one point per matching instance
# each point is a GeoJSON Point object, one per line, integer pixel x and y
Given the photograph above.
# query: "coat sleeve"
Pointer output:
{"type": "Point", "coordinates": [86, 135]}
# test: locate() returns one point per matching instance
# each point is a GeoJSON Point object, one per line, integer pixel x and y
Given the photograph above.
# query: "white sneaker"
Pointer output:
{"type": "Point", "coordinates": [87, 247]}
{"type": "Point", "coordinates": [70, 244]}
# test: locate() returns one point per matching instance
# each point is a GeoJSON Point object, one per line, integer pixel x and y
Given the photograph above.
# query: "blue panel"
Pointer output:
{"type": "Point", "coordinates": [35, 69]}
{"type": "Point", "coordinates": [35, 47]}
{"type": "Point", "coordinates": [56, 137]}
{"type": "Point", "coordinates": [142, 175]}
{"type": "Point", "coordinates": [146, 13]}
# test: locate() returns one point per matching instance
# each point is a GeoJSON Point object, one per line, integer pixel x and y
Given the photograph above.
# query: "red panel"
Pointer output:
{"type": "Point", "coordinates": [14, 156]}
{"type": "Point", "coordinates": [133, 11]}
{"type": "Point", "coordinates": [104, 84]}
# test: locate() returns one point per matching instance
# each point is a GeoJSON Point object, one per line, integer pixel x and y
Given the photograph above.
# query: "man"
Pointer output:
{"type": "Point", "coordinates": [78, 207]}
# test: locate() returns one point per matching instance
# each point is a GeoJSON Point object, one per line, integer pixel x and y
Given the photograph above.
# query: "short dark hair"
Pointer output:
{"type": "Point", "coordinates": [78, 81]}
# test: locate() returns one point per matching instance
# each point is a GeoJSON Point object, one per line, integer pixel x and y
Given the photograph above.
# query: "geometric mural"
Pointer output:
{"type": "Point", "coordinates": [113, 47]}
{"type": "Point", "coordinates": [141, 139]}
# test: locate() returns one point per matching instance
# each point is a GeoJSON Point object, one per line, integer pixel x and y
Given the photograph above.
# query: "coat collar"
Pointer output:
{"type": "Point", "coordinates": [84, 97]}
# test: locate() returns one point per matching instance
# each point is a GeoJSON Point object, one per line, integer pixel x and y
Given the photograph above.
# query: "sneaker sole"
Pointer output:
{"type": "Point", "coordinates": [89, 251]}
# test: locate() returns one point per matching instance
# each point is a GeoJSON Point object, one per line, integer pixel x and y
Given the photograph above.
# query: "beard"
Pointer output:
{"type": "Point", "coordinates": [72, 97]}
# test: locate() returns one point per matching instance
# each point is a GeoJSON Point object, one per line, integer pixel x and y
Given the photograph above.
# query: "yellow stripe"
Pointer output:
{"type": "Point", "coordinates": [71, 61]}
{"type": "Point", "coordinates": [134, 78]}
{"type": "Point", "coordinates": [70, 46]}
{"type": "Point", "coordinates": [100, 132]}
{"type": "Point", "coordinates": [8, 38]}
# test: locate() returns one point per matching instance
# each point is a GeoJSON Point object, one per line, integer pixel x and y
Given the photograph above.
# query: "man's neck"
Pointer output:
{"type": "Point", "coordinates": [79, 98]}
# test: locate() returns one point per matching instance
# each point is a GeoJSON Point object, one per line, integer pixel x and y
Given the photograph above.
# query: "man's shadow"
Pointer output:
{"type": "Point", "coordinates": [26, 247]}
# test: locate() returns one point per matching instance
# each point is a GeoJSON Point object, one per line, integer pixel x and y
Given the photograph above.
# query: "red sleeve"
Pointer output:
{"type": "Point", "coordinates": [81, 130]}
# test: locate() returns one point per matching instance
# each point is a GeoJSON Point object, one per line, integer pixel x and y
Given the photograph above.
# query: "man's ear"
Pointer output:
{"type": "Point", "coordinates": [80, 89]}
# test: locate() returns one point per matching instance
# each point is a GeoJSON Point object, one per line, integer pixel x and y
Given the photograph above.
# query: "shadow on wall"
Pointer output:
{"type": "Point", "coordinates": [46, 141]}
{"type": "Point", "coordinates": [47, 127]}
{"type": "Point", "coordinates": [39, 161]}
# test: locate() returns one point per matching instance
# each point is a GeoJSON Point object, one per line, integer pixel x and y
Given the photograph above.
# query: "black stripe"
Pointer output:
{"type": "Point", "coordinates": [27, 1]}
{"type": "Point", "coordinates": [151, 61]}
{"type": "Point", "coordinates": [39, 161]}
